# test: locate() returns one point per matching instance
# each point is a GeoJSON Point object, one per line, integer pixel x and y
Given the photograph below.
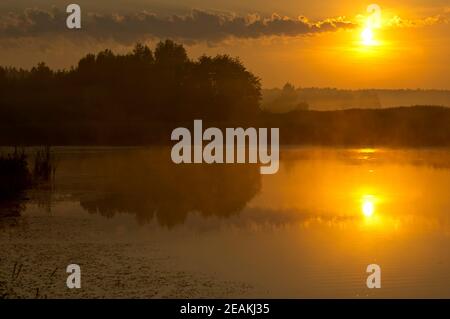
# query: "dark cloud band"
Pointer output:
{"type": "Point", "coordinates": [196, 26]}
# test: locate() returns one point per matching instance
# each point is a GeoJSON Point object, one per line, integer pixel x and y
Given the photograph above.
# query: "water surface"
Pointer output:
{"type": "Point", "coordinates": [144, 227]}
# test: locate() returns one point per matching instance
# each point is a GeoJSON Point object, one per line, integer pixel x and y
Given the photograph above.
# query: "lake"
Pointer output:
{"type": "Point", "coordinates": [141, 226]}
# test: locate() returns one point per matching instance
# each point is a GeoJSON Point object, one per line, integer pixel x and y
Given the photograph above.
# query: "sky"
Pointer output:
{"type": "Point", "coordinates": [325, 43]}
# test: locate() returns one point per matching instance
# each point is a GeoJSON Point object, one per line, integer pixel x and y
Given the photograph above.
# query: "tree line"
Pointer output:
{"type": "Point", "coordinates": [141, 96]}
{"type": "Point", "coordinates": [143, 87]}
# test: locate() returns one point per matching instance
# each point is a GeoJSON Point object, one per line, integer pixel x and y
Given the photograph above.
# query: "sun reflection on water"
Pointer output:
{"type": "Point", "coordinates": [368, 206]}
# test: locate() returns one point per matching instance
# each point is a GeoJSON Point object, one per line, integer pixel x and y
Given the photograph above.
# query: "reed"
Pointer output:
{"type": "Point", "coordinates": [44, 164]}
{"type": "Point", "coordinates": [14, 174]}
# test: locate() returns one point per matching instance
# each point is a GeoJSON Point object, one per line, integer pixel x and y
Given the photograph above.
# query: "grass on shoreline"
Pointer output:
{"type": "Point", "coordinates": [16, 176]}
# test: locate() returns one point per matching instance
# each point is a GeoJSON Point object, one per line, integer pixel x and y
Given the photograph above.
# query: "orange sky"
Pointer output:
{"type": "Point", "coordinates": [411, 51]}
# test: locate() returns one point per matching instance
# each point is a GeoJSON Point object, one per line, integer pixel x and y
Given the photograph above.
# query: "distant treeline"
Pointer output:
{"type": "Point", "coordinates": [414, 126]}
{"type": "Point", "coordinates": [140, 97]}
{"type": "Point", "coordinates": [290, 98]}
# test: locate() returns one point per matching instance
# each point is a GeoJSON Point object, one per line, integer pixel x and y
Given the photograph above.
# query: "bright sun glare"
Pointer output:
{"type": "Point", "coordinates": [367, 37]}
{"type": "Point", "coordinates": [373, 21]}
{"type": "Point", "coordinates": [368, 206]}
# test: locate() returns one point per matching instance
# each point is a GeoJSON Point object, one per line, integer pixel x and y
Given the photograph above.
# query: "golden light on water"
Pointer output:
{"type": "Point", "coordinates": [368, 205]}
{"type": "Point", "coordinates": [367, 150]}
{"type": "Point", "coordinates": [368, 208]}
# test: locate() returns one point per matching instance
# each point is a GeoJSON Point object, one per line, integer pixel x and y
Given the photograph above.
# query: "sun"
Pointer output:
{"type": "Point", "coordinates": [372, 22]}
{"type": "Point", "coordinates": [367, 37]}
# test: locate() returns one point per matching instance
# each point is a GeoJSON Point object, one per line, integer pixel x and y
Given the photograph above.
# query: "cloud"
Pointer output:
{"type": "Point", "coordinates": [396, 21]}
{"type": "Point", "coordinates": [196, 26]}
{"type": "Point", "coordinates": [31, 22]}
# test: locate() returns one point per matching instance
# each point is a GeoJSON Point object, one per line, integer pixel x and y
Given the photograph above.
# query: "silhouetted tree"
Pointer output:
{"type": "Point", "coordinates": [141, 96]}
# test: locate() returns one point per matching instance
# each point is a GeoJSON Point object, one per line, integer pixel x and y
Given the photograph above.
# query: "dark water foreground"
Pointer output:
{"type": "Point", "coordinates": [140, 226]}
